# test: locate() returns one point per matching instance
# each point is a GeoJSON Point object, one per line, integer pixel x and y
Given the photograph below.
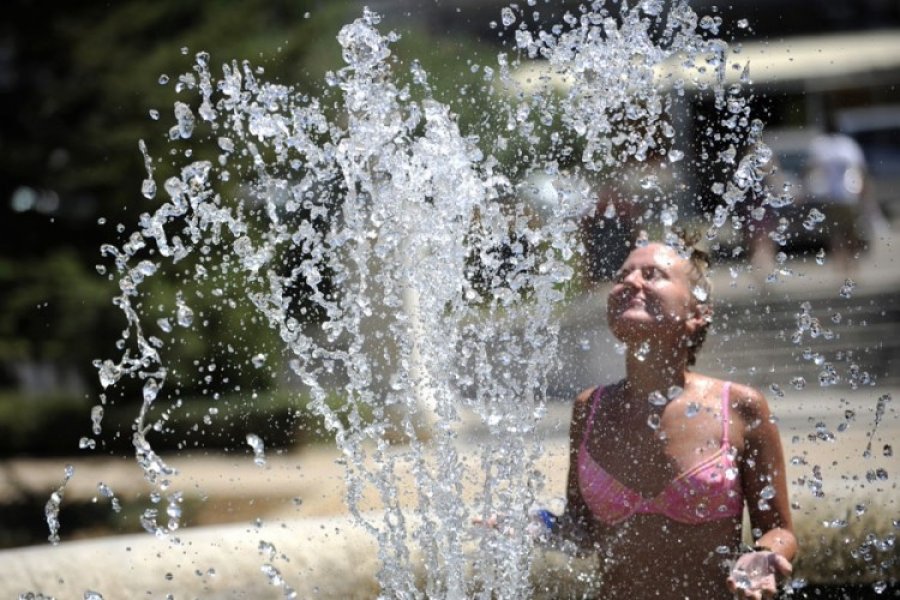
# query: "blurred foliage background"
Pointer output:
{"type": "Point", "coordinates": [77, 88]}
{"type": "Point", "coordinates": [79, 84]}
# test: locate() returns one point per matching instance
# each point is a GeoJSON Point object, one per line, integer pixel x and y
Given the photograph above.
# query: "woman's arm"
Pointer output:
{"type": "Point", "coordinates": [764, 484]}
{"type": "Point", "coordinates": [763, 477]}
{"type": "Point", "coordinates": [577, 524]}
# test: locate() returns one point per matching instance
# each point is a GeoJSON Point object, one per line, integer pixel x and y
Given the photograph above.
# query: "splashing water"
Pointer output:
{"type": "Point", "coordinates": [51, 509]}
{"type": "Point", "coordinates": [376, 218]}
{"type": "Point", "coordinates": [259, 452]}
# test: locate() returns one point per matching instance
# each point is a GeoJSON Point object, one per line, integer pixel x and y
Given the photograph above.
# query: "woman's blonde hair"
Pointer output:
{"type": "Point", "coordinates": [688, 246]}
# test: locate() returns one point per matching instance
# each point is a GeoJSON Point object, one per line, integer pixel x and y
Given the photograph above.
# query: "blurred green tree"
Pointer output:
{"type": "Point", "coordinates": [81, 83]}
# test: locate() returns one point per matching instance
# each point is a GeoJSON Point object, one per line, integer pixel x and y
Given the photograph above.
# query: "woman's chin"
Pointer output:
{"type": "Point", "coordinates": [636, 330]}
{"type": "Point", "coordinates": [633, 320]}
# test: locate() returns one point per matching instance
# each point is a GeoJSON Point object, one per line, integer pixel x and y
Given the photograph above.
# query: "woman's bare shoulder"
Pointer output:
{"type": "Point", "coordinates": [582, 405]}
{"type": "Point", "coordinates": [749, 401]}
{"type": "Point", "coordinates": [745, 399]}
{"type": "Point", "coordinates": [585, 396]}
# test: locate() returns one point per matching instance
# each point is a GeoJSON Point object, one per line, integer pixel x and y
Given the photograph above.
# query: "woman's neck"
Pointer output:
{"type": "Point", "coordinates": [654, 372]}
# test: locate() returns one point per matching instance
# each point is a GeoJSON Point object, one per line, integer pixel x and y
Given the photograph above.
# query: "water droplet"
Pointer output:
{"type": "Point", "coordinates": [657, 399]}
{"type": "Point", "coordinates": [743, 24]}
{"type": "Point", "coordinates": [847, 289]}
{"type": "Point", "coordinates": [163, 79]}
{"type": "Point", "coordinates": [259, 454]}
{"type": "Point", "coordinates": [258, 360]}
{"type": "Point", "coordinates": [184, 316]}
{"type": "Point", "coordinates": [151, 389]}
{"type": "Point", "coordinates": [184, 118]}
{"type": "Point", "coordinates": [148, 189]}
{"type": "Point", "coordinates": [105, 490]}
{"type": "Point", "coordinates": [767, 493]}
{"type": "Point", "coordinates": [91, 595]}
{"type": "Point", "coordinates": [888, 450]}
{"type": "Point", "coordinates": [653, 421]}
{"type": "Point", "coordinates": [272, 574]}
{"type": "Point", "coordinates": [692, 410]}
{"type": "Point", "coordinates": [741, 579]}
{"type": "Point", "coordinates": [668, 216]}
{"type": "Point", "coordinates": [154, 114]}
{"type": "Point", "coordinates": [675, 155]}
{"type": "Point", "coordinates": [507, 16]}
{"type": "Point", "coordinates": [173, 511]}
{"type": "Point", "coordinates": [96, 418]}
{"type": "Point", "coordinates": [109, 373]}
{"type": "Point", "coordinates": [820, 256]}
{"type": "Point", "coordinates": [798, 583]}
{"type": "Point", "coordinates": [642, 351]}
{"type": "Point", "coordinates": [835, 524]}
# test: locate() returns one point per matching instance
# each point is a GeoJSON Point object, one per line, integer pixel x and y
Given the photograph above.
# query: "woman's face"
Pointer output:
{"type": "Point", "coordinates": [652, 297]}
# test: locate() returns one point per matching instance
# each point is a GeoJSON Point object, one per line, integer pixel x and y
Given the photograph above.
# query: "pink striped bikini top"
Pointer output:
{"type": "Point", "coordinates": [709, 491]}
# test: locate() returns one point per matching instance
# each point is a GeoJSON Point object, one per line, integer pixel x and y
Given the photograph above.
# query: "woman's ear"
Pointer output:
{"type": "Point", "coordinates": [701, 317]}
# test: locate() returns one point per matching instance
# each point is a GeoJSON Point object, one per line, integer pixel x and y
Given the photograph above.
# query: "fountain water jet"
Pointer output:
{"type": "Point", "coordinates": [394, 205]}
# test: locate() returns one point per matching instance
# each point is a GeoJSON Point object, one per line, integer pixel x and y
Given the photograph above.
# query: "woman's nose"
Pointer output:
{"type": "Point", "coordinates": [633, 278]}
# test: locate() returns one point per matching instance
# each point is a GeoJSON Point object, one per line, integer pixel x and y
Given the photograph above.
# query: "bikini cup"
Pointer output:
{"type": "Point", "coordinates": [708, 491]}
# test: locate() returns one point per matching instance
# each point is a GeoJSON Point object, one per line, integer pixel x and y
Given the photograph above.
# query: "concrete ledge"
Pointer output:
{"type": "Point", "coordinates": [318, 558]}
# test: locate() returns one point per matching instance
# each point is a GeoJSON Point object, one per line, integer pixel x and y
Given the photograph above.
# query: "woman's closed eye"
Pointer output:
{"type": "Point", "coordinates": [653, 274]}
{"type": "Point", "coordinates": [647, 274]}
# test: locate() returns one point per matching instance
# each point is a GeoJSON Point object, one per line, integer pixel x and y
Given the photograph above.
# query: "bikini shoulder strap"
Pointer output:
{"type": "Point", "coordinates": [595, 400]}
{"type": "Point", "coordinates": [726, 407]}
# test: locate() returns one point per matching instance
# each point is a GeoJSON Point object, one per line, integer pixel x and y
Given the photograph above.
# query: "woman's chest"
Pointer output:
{"type": "Point", "coordinates": [646, 455]}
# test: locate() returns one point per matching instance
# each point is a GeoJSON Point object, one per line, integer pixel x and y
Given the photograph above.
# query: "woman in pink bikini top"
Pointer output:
{"type": "Point", "coordinates": [663, 462]}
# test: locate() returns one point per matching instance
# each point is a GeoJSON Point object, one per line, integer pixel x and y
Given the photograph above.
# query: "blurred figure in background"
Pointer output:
{"type": "Point", "coordinates": [760, 220]}
{"type": "Point", "coordinates": [837, 180]}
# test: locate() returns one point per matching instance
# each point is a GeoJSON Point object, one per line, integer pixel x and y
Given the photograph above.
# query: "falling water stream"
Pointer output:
{"type": "Point", "coordinates": [400, 266]}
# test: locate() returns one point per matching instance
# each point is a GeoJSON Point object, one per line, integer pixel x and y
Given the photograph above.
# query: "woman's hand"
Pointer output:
{"type": "Point", "coordinates": [541, 526]}
{"type": "Point", "coordinates": [755, 575]}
